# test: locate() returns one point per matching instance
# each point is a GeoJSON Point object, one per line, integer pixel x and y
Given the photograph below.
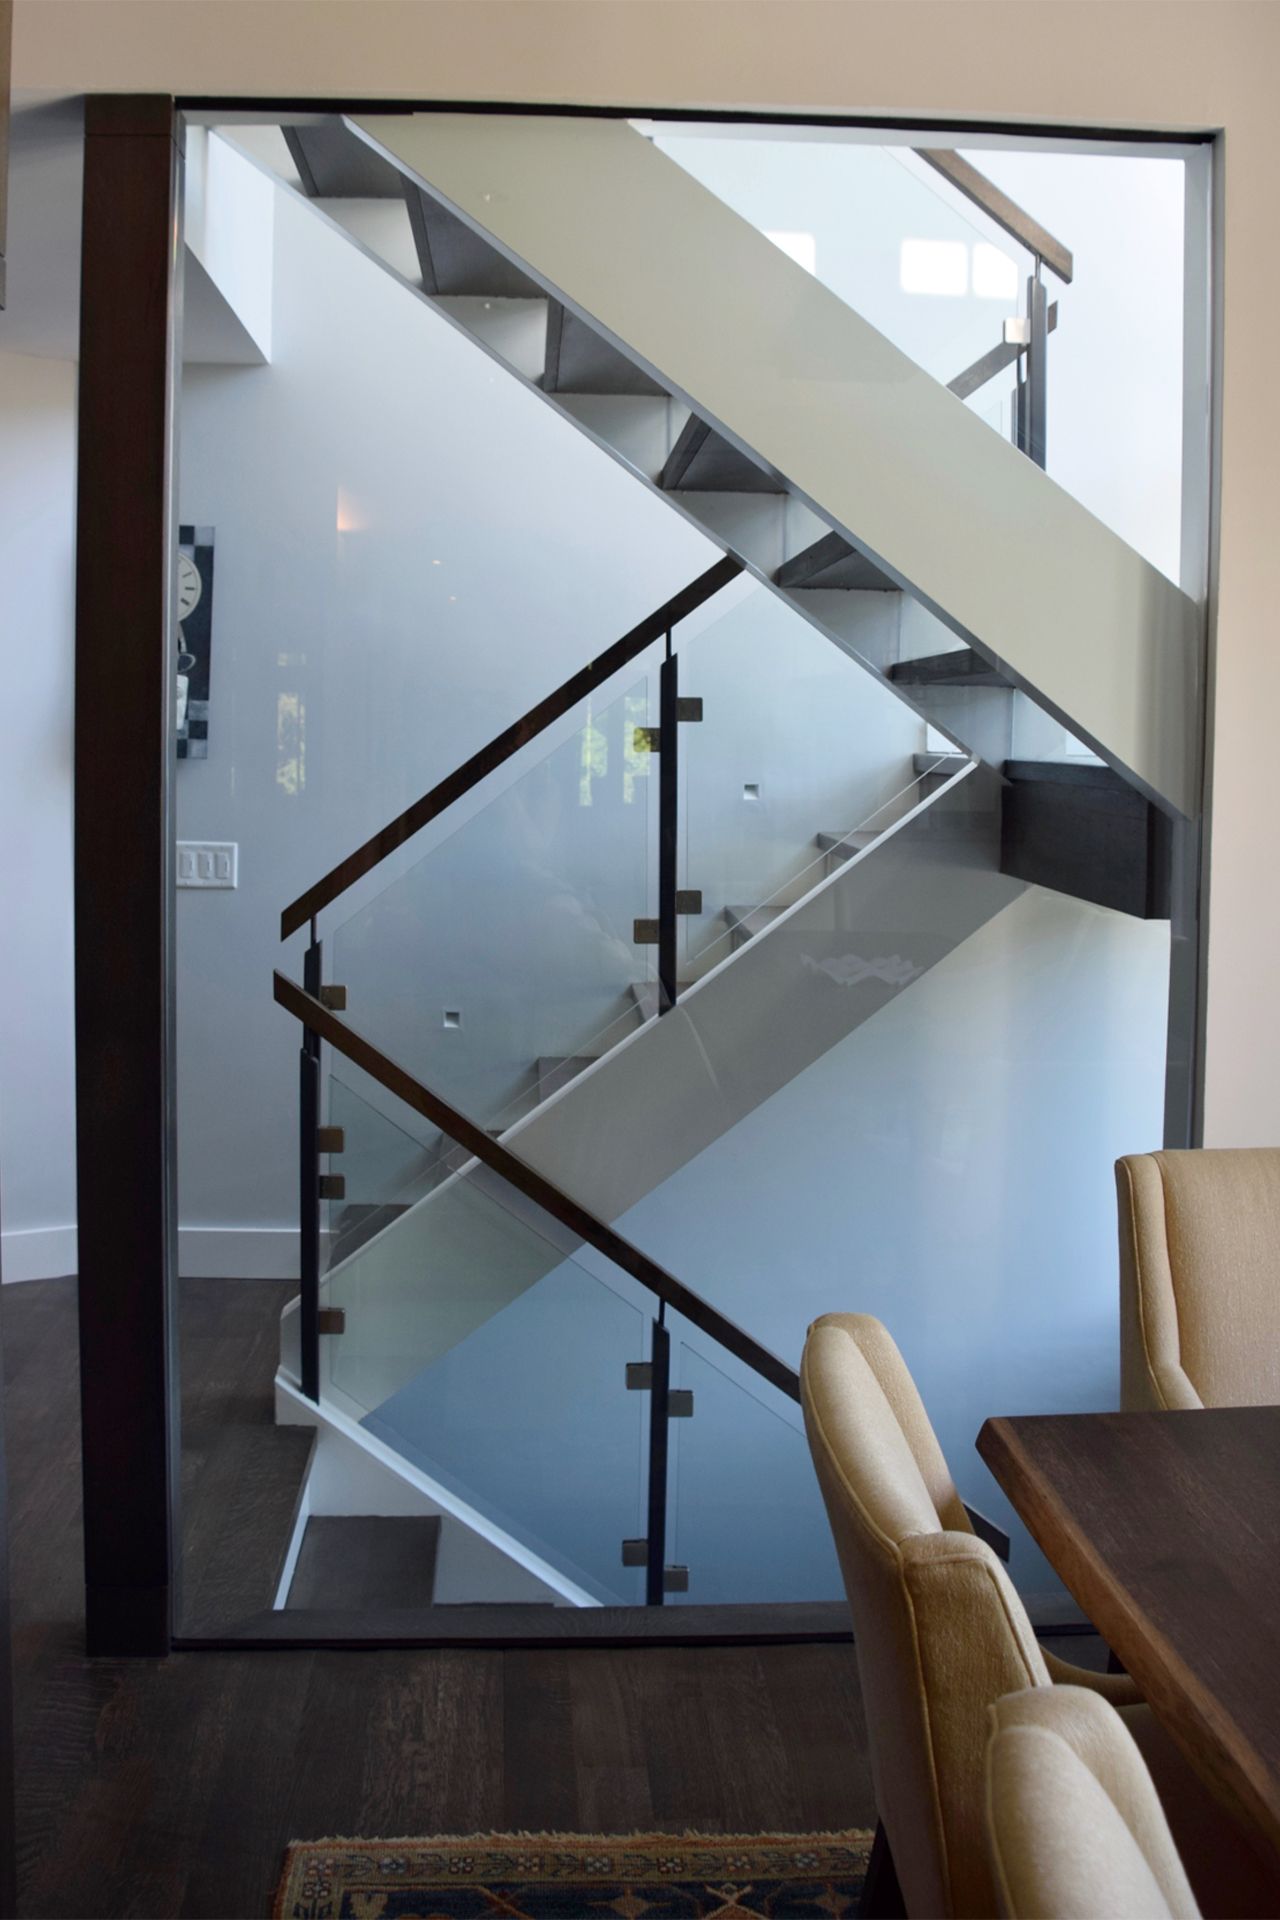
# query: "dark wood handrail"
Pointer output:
{"type": "Point", "coordinates": [534, 1185]}
{"type": "Point", "coordinates": [509, 741]}
{"type": "Point", "coordinates": [1005, 212]}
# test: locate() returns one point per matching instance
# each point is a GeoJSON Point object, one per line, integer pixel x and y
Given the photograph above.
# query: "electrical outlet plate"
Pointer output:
{"type": "Point", "coordinates": [208, 863]}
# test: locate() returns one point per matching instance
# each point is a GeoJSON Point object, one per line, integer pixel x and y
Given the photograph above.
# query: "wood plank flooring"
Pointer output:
{"type": "Point", "coordinates": [172, 1787]}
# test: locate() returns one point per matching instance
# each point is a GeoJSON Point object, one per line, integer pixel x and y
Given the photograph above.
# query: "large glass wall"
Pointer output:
{"type": "Point", "coordinates": [884, 1061]}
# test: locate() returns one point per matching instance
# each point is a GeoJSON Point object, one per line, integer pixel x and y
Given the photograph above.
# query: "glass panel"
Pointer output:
{"type": "Point", "coordinates": [386, 1165]}
{"type": "Point", "coordinates": [800, 760]}
{"type": "Point", "coordinates": [494, 966]}
{"type": "Point", "coordinates": [747, 1517]}
{"type": "Point", "coordinates": [875, 225]}
{"type": "Point", "coordinates": [495, 1363]}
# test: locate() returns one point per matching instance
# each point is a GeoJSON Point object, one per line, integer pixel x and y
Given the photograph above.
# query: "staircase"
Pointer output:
{"type": "Point", "coordinates": [485, 1268]}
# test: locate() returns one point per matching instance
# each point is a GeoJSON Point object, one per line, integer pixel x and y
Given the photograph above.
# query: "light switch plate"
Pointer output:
{"type": "Point", "coordinates": [208, 863]}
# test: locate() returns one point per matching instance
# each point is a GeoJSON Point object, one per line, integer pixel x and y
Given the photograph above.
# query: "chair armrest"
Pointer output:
{"type": "Point", "coordinates": [1118, 1688]}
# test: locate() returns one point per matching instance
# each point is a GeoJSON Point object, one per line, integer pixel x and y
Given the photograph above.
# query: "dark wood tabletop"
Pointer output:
{"type": "Point", "coordinates": [1166, 1528]}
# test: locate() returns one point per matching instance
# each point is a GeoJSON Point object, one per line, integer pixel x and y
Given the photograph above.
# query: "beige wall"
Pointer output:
{"type": "Point", "coordinates": [1175, 64]}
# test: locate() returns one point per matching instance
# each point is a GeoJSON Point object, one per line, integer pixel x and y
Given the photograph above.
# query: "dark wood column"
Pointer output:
{"type": "Point", "coordinates": [124, 835]}
{"type": "Point", "coordinates": [6, 45]}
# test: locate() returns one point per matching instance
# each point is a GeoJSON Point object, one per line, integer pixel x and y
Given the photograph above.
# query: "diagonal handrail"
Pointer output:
{"type": "Point", "coordinates": [1006, 213]}
{"type": "Point", "coordinates": [509, 741]}
{"type": "Point", "coordinates": [534, 1185]}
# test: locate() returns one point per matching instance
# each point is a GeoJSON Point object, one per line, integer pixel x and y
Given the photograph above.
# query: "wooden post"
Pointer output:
{"type": "Point", "coordinates": [124, 841]}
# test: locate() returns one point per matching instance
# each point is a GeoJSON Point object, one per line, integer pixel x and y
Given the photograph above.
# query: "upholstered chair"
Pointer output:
{"type": "Point", "coordinates": [1200, 1278]}
{"type": "Point", "coordinates": [940, 1632]}
{"type": "Point", "coordinates": [1074, 1825]}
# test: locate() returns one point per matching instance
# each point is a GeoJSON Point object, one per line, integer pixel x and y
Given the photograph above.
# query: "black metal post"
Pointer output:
{"type": "Point", "coordinates": [655, 1583]}
{"type": "Point", "coordinates": [1033, 394]}
{"type": "Point", "coordinates": [309, 1187]}
{"type": "Point", "coordinates": [668, 826]}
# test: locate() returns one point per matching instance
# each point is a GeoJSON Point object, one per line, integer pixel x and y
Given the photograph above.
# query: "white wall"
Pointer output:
{"type": "Point", "coordinates": [410, 549]}
{"type": "Point", "coordinates": [948, 1167]}
{"type": "Point", "coordinates": [37, 1055]}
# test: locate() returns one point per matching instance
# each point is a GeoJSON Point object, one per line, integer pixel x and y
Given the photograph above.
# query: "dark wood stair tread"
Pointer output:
{"type": "Point", "coordinates": [963, 667]}
{"type": "Point", "coordinates": [833, 562]}
{"type": "Point", "coordinates": [358, 1561]}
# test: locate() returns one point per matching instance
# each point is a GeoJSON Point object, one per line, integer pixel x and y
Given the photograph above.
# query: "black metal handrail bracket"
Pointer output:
{"type": "Point", "coordinates": [509, 741]}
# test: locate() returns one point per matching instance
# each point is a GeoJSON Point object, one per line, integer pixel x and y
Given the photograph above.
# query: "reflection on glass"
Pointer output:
{"type": "Point", "coordinates": [488, 1358]}
{"type": "Point", "coordinates": [872, 224]}
{"type": "Point", "coordinates": [497, 963]}
{"type": "Point", "coordinates": [747, 1516]}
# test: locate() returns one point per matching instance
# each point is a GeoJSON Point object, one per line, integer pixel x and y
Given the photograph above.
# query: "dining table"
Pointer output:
{"type": "Point", "coordinates": [1165, 1528]}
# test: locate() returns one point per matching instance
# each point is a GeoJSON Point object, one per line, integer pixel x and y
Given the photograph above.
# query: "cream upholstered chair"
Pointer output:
{"type": "Point", "coordinates": [1200, 1278]}
{"type": "Point", "coordinates": [940, 1632]}
{"type": "Point", "coordinates": [1074, 1823]}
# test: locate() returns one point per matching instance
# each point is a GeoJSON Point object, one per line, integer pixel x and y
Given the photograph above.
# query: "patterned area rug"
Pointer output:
{"type": "Point", "coordinates": [568, 1876]}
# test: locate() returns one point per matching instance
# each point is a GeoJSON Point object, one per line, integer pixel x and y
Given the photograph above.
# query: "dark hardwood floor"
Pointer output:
{"type": "Point", "coordinates": [172, 1787]}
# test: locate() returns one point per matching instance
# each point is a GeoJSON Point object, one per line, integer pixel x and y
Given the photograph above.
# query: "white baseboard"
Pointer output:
{"type": "Point", "coordinates": [238, 1253]}
{"type": "Point", "coordinates": [212, 1253]}
{"type": "Point", "coordinates": [38, 1253]}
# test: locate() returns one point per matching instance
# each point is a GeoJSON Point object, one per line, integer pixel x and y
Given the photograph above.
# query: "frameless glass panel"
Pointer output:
{"type": "Point", "coordinates": [493, 1362]}
{"type": "Point", "coordinates": [385, 1165]}
{"type": "Point", "coordinates": [747, 1517]}
{"type": "Point", "coordinates": [498, 964]}
{"type": "Point", "coordinates": [872, 224]}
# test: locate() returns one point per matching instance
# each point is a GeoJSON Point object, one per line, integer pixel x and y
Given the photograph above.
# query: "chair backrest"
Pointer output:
{"type": "Point", "coordinates": [1074, 1824]}
{"type": "Point", "coordinates": [1200, 1278]}
{"type": "Point", "coordinates": [940, 1632]}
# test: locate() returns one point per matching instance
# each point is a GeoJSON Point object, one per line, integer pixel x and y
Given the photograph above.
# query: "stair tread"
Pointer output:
{"type": "Point", "coordinates": [833, 562]}
{"type": "Point", "coordinates": [335, 165]}
{"type": "Point", "coordinates": [855, 841]}
{"type": "Point", "coordinates": [645, 995]}
{"type": "Point", "coordinates": [455, 259]}
{"type": "Point", "coordinates": [357, 1561]}
{"type": "Point", "coordinates": [963, 667]}
{"type": "Point", "coordinates": [579, 360]}
{"type": "Point", "coordinates": [943, 764]}
{"type": "Point", "coordinates": [554, 1071]}
{"type": "Point", "coordinates": [702, 462]}
{"type": "Point", "coordinates": [753, 920]}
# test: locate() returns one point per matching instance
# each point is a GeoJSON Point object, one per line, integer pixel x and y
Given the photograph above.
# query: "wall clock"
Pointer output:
{"type": "Point", "coordinates": [195, 629]}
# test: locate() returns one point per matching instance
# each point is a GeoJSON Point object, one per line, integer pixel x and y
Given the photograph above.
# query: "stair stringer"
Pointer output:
{"type": "Point", "coordinates": [620, 1128]}
{"type": "Point", "coordinates": [354, 1472]}
{"type": "Point", "coordinates": [792, 377]}
{"type": "Point", "coordinates": [638, 431]}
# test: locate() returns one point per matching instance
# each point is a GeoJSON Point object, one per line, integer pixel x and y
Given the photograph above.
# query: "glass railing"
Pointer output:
{"type": "Point", "coordinates": [584, 1440]}
{"type": "Point", "coordinates": [799, 760]}
{"type": "Point", "coordinates": [876, 226]}
{"type": "Point", "coordinates": [496, 961]}
{"type": "Point", "coordinates": [495, 1363]}
{"type": "Point", "coordinates": [387, 1164]}
{"type": "Point", "coordinates": [746, 1512]}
